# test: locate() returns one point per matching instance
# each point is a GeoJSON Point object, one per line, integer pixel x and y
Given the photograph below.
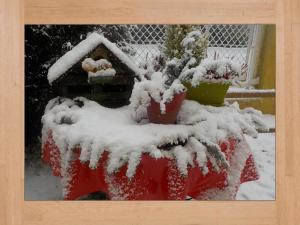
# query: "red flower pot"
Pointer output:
{"type": "Point", "coordinates": [172, 109]}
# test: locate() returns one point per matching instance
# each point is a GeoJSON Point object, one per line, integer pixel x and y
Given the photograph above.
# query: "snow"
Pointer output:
{"type": "Point", "coordinates": [126, 132]}
{"type": "Point", "coordinates": [83, 48]}
{"type": "Point", "coordinates": [142, 93]}
{"type": "Point", "coordinates": [233, 89]}
{"type": "Point", "coordinates": [168, 94]}
{"type": "Point", "coordinates": [263, 149]}
{"type": "Point", "coordinates": [145, 90]}
{"type": "Point", "coordinates": [269, 120]}
{"type": "Point", "coordinates": [212, 70]}
{"type": "Point", "coordinates": [183, 159]}
{"type": "Point", "coordinates": [90, 65]}
{"type": "Point", "coordinates": [191, 39]}
{"type": "Point", "coordinates": [200, 149]}
{"type": "Point", "coordinates": [40, 184]}
{"type": "Point", "coordinates": [99, 68]}
{"type": "Point", "coordinates": [237, 54]}
{"type": "Point", "coordinates": [237, 161]}
{"type": "Point", "coordinates": [125, 139]}
{"type": "Point", "coordinates": [103, 73]}
{"type": "Point", "coordinates": [145, 52]}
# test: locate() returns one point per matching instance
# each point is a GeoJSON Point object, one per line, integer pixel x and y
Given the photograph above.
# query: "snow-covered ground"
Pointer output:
{"type": "Point", "coordinates": [41, 185]}
{"type": "Point", "coordinates": [263, 149]}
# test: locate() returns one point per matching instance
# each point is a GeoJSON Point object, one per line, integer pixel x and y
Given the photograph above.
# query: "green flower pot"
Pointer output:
{"type": "Point", "coordinates": [207, 93]}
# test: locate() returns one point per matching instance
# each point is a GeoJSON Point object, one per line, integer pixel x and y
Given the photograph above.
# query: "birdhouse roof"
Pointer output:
{"type": "Point", "coordinates": [86, 46]}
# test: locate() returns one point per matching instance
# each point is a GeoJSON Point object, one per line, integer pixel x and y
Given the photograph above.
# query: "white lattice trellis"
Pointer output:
{"type": "Point", "coordinates": [231, 41]}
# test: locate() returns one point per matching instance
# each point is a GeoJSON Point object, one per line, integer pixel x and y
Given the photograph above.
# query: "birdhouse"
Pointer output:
{"type": "Point", "coordinates": [96, 69]}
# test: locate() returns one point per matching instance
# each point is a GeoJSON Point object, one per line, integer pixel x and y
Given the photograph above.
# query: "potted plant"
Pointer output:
{"type": "Point", "coordinates": [156, 101]}
{"type": "Point", "coordinates": [209, 81]}
{"type": "Point", "coordinates": [165, 91]}
{"type": "Point", "coordinates": [165, 111]}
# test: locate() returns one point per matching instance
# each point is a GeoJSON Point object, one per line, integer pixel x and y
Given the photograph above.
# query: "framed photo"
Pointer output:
{"type": "Point", "coordinates": [251, 49]}
{"type": "Point", "coordinates": [150, 112]}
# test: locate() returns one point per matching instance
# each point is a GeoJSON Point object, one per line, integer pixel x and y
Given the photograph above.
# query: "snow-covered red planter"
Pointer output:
{"type": "Point", "coordinates": [96, 148]}
{"type": "Point", "coordinates": [154, 178]}
{"type": "Point", "coordinates": [208, 83]}
{"type": "Point", "coordinates": [153, 100]}
{"type": "Point", "coordinates": [171, 109]}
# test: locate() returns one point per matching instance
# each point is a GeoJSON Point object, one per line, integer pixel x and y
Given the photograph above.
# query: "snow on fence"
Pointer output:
{"type": "Point", "coordinates": [227, 40]}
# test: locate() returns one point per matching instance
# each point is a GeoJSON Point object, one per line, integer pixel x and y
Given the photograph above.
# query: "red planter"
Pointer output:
{"type": "Point", "coordinates": [172, 109]}
{"type": "Point", "coordinates": [155, 179]}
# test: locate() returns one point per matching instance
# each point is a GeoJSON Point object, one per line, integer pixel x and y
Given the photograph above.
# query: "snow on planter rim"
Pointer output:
{"type": "Point", "coordinates": [96, 129]}
{"type": "Point", "coordinates": [84, 47]}
{"type": "Point", "coordinates": [199, 74]}
{"type": "Point", "coordinates": [145, 90]}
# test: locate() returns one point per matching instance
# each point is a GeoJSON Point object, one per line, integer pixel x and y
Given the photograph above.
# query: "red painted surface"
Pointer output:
{"type": "Point", "coordinates": [155, 179]}
{"type": "Point", "coordinates": [172, 109]}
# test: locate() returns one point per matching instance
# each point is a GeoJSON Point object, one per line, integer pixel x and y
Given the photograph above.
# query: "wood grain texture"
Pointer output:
{"type": "Point", "coordinates": [284, 211]}
{"type": "Point", "coordinates": [149, 11]}
{"type": "Point", "coordinates": [11, 112]}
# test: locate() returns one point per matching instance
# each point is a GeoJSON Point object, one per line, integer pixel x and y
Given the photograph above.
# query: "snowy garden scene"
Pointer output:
{"type": "Point", "coordinates": [150, 112]}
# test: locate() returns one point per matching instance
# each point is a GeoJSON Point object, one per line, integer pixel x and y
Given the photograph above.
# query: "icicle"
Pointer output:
{"type": "Point", "coordinates": [97, 150]}
{"type": "Point", "coordinates": [154, 152]}
{"type": "Point", "coordinates": [86, 149]}
{"type": "Point", "coordinates": [215, 154]}
{"type": "Point", "coordinates": [133, 162]}
{"type": "Point", "coordinates": [183, 158]}
{"type": "Point", "coordinates": [200, 151]}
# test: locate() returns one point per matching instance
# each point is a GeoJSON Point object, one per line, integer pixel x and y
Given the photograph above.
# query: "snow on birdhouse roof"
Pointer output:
{"type": "Point", "coordinates": [64, 63]}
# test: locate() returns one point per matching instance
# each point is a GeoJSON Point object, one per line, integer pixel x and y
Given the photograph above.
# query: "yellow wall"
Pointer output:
{"type": "Point", "coordinates": [265, 70]}
{"type": "Point", "coordinates": [266, 105]}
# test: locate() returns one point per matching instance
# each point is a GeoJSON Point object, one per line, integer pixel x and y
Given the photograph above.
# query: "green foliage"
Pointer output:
{"type": "Point", "coordinates": [196, 48]}
{"type": "Point", "coordinates": [174, 36]}
{"type": "Point", "coordinates": [185, 47]}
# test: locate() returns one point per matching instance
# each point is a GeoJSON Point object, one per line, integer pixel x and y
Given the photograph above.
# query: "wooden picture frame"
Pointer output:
{"type": "Point", "coordinates": [15, 13]}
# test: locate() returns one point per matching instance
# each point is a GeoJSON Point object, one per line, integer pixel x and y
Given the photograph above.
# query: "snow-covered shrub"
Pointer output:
{"type": "Point", "coordinates": [172, 70]}
{"type": "Point", "coordinates": [184, 48]}
{"type": "Point", "coordinates": [212, 71]}
{"type": "Point", "coordinates": [157, 64]}
{"type": "Point", "coordinates": [193, 50]}
{"type": "Point", "coordinates": [157, 90]}
{"type": "Point", "coordinates": [141, 95]}
{"type": "Point", "coordinates": [174, 35]}
{"type": "Point", "coordinates": [195, 46]}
